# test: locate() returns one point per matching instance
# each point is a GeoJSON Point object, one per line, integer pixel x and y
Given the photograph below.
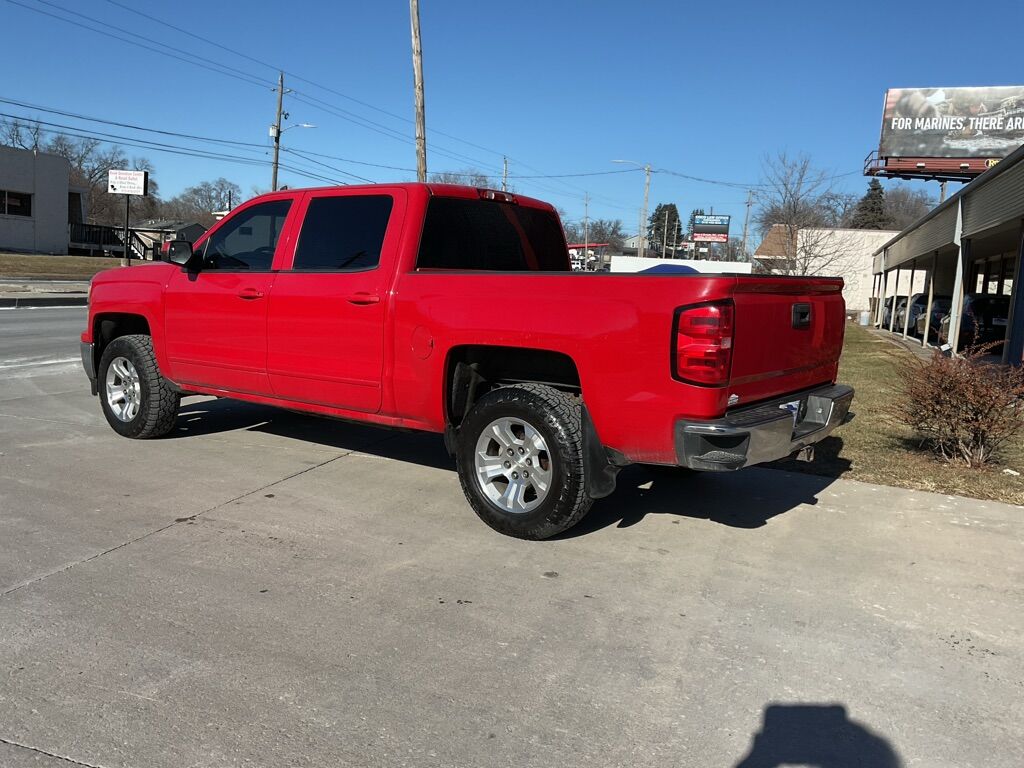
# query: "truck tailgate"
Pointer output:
{"type": "Point", "coordinates": [788, 335]}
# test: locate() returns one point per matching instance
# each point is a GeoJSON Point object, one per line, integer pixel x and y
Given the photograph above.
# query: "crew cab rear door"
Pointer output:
{"type": "Point", "coordinates": [325, 339]}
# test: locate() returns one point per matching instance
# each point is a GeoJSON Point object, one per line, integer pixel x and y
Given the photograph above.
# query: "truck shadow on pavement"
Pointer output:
{"type": "Point", "coordinates": [744, 499]}
{"type": "Point", "coordinates": [821, 735]}
{"type": "Point", "coordinates": [748, 498]}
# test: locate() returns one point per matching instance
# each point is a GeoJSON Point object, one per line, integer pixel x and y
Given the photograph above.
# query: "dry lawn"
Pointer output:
{"type": "Point", "coordinates": [17, 265]}
{"type": "Point", "coordinates": [876, 449]}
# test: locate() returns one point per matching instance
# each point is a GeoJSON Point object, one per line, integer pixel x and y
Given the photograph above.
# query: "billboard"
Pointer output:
{"type": "Point", "coordinates": [710, 229]}
{"type": "Point", "coordinates": [952, 122]}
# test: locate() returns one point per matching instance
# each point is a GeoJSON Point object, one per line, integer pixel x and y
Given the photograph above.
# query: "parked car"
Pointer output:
{"type": "Point", "coordinates": [940, 308]}
{"type": "Point", "coordinates": [453, 310]}
{"type": "Point", "coordinates": [983, 322]}
{"type": "Point", "coordinates": [899, 301]}
{"type": "Point", "coordinates": [914, 307]}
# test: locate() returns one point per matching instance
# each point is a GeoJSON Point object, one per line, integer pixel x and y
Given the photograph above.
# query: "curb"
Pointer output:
{"type": "Point", "coordinates": [44, 301]}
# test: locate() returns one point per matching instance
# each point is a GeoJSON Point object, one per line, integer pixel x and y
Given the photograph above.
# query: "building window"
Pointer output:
{"type": "Point", "coordinates": [1009, 264]}
{"type": "Point", "coordinates": [15, 203]}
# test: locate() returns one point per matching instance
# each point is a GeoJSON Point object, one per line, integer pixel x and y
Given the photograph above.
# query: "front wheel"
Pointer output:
{"type": "Point", "coordinates": [520, 460]}
{"type": "Point", "coordinates": [137, 401]}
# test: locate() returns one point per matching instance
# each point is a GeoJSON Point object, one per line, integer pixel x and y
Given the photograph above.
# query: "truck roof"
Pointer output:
{"type": "Point", "coordinates": [440, 190]}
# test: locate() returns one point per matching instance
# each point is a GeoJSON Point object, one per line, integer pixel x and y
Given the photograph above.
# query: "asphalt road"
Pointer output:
{"type": "Point", "coordinates": [31, 336]}
{"type": "Point", "coordinates": [267, 589]}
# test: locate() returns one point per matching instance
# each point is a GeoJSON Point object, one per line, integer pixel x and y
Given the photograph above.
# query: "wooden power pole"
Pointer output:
{"type": "Point", "coordinates": [586, 228]}
{"type": "Point", "coordinates": [417, 73]}
{"type": "Point", "coordinates": [277, 131]}
{"type": "Point", "coordinates": [746, 220]}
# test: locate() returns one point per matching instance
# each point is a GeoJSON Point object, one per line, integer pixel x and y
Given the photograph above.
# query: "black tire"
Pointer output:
{"type": "Point", "coordinates": [157, 400]}
{"type": "Point", "coordinates": [557, 418]}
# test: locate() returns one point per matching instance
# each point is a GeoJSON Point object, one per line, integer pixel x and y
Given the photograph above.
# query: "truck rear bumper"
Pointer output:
{"type": "Point", "coordinates": [764, 432]}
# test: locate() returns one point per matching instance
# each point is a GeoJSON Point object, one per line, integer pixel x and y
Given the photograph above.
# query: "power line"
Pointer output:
{"type": "Point", "coordinates": [353, 117]}
{"type": "Point", "coordinates": [219, 69]}
{"type": "Point", "coordinates": [250, 146]}
{"type": "Point", "coordinates": [81, 133]}
{"type": "Point", "coordinates": [76, 116]}
{"type": "Point", "coordinates": [574, 175]}
{"type": "Point", "coordinates": [238, 74]}
{"type": "Point", "coordinates": [230, 71]}
{"type": "Point", "coordinates": [131, 140]}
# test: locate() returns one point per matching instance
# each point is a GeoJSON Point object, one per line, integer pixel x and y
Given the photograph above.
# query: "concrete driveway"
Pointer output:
{"type": "Point", "coordinates": [267, 589]}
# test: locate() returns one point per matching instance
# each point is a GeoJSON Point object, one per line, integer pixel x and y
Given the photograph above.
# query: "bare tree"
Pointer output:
{"type": "Point", "coordinates": [798, 213]}
{"type": "Point", "coordinates": [198, 203]}
{"type": "Point", "coordinates": [905, 205]}
{"type": "Point", "coordinates": [15, 133]}
{"type": "Point", "coordinates": [473, 177]}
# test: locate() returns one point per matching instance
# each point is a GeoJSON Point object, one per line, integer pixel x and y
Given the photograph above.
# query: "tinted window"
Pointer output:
{"type": "Point", "coordinates": [484, 234]}
{"type": "Point", "coordinates": [343, 232]}
{"type": "Point", "coordinates": [248, 239]}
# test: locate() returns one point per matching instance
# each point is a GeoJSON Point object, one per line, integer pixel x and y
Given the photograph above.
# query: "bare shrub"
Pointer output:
{"type": "Point", "coordinates": [963, 408]}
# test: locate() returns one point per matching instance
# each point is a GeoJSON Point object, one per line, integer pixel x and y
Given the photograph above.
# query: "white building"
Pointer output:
{"type": "Point", "coordinates": [845, 253]}
{"type": "Point", "coordinates": [36, 201]}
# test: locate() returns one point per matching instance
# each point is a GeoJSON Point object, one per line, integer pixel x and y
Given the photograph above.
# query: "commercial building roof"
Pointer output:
{"type": "Point", "coordinates": [993, 200]}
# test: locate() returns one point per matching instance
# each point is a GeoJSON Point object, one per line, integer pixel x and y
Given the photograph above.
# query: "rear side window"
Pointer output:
{"type": "Point", "coordinates": [343, 233]}
{"type": "Point", "coordinates": [484, 234]}
{"type": "Point", "coordinates": [248, 239]}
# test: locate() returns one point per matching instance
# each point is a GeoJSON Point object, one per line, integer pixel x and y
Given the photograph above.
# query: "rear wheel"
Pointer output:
{"type": "Point", "coordinates": [137, 401]}
{"type": "Point", "coordinates": [520, 461]}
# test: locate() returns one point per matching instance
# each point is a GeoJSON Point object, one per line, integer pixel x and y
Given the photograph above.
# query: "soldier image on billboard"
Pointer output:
{"type": "Point", "coordinates": [952, 122]}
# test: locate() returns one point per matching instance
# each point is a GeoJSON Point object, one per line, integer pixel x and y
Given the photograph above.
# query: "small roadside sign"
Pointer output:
{"type": "Point", "coordinates": [128, 182]}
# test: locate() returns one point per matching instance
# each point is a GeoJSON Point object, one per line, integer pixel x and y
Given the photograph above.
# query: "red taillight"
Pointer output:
{"type": "Point", "coordinates": [702, 348]}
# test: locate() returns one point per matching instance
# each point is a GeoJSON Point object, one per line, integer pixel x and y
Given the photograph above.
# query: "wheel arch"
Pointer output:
{"type": "Point", "coordinates": [107, 326]}
{"type": "Point", "coordinates": [472, 370]}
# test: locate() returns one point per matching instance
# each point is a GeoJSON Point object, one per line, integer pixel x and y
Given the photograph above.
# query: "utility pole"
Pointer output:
{"type": "Point", "coordinates": [277, 130]}
{"type": "Point", "coordinates": [504, 174]}
{"type": "Point", "coordinates": [417, 74]}
{"type": "Point", "coordinates": [675, 234]}
{"type": "Point", "coordinates": [586, 227]}
{"type": "Point", "coordinates": [647, 189]}
{"type": "Point", "coordinates": [746, 220]}
{"type": "Point", "coordinates": [942, 191]}
{"type": "Point", "coordinates": [664, 235]}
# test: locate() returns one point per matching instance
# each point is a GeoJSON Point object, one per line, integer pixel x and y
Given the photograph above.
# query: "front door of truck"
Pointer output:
{"type": "Point", "coordinates": [216, 318]}
{"type": "Point", "coordinates": [325, 329]}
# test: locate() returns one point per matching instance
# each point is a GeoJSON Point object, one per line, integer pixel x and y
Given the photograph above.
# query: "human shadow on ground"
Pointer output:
{"type": "Point", "coordinates": [819, 735]}
{"type": "Point", "coordinates": [744, 499]}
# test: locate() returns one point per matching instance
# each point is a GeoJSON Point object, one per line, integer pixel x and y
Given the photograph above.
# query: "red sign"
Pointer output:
{"type": "Point", "coordinates": [710, 237]}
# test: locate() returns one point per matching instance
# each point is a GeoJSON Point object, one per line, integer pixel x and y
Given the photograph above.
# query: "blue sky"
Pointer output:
{"type": "Point", "coordinates": [559, 87]}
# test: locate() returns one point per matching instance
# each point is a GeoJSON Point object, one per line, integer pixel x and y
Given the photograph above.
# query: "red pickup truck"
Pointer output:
{"type": "Point", "coordinates": [454, 310]}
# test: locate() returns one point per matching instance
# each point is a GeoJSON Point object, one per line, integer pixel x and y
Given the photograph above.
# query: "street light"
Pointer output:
{"type": "Point", "coordinates": [275, 133]}
{"type": "Point", "coordinates": [642, 251]}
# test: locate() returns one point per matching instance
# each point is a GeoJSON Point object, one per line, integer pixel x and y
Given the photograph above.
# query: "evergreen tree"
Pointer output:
{"type": "Point", "coordinates": [870, 212]}
{"type": "Point", "coordinates": [693, 214]}
{"type": "Point", "coordinates": [658, 235]}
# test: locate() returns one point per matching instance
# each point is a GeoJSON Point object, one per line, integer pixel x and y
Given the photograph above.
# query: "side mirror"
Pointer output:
{"type": "Point", "coordinates": [180, 252]}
